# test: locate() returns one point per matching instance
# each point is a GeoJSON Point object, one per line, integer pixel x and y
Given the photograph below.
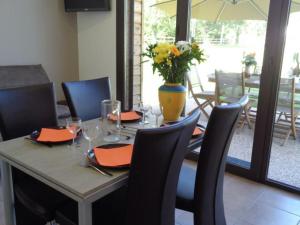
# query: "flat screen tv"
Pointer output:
{"type": "Point", "coordinates": [87, 5]}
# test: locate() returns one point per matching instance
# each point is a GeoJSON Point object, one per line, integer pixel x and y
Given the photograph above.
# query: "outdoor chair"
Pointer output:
{"type": "Point", "coordinates": [285, 125]}
{"type": "Point", "coordinates": [22, 111]}
{"type": "Point", "coordinates": [230, 87]}
{"type": "Point", "coordinates": [200, 190]}
{"type": "Point", "coordinates": [150, 197]}
{"type": "Point", "coordinates": [198, 93]}
{"type": "Point", "coordinates": [84, 97]}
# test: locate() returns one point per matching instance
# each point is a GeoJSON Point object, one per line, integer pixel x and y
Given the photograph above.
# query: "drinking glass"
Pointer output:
{"type": "Point", "coordinates": [73, 124]}
{"type": "Point", "coordinates": [91, 132]}
{"type": "Point", "coordinates": [111, 123]}
{"type": "Point", "coordinates": [156, 111]}
{"type": "Point", "coordinates": [144, 109]}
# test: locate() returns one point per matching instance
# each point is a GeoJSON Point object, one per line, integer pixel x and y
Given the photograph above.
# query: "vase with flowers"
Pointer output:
{"type": "Point", "coordinates": [172, 61]}
{"type": "Point", "coordinates": [249, 63]}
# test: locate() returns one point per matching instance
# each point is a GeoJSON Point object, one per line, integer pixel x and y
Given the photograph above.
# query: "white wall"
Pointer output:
{"type": "Point", "coordinates": [97, 45]}
{"type": "Point", "coordinates": [40, 32]}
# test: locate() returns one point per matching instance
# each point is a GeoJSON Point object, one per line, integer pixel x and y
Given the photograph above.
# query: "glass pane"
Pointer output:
{"type": "Point", "coordinates": [158, 26]}
{"type": "Point", "coordinates": [232, 33]}
{"type": "Point", "coordinates": [285, 156]}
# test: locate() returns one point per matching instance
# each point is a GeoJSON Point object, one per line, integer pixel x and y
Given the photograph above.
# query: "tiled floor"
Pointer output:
{"type": "Point", "coordinates": [250, 203]}
{"type": "Point", "coordinates": [246, 203]}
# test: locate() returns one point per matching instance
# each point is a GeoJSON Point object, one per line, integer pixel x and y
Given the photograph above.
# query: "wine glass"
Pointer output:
{"type": "Point", "coordinates": [73, 125]}
{"type": "Point", "coordinates": [90, 132]}
{"type": "Point", "coordinates": [156, 111]}
{"type": "Point", "coordinates": [111, 123]}
{"type": "Point", "coordinates": [144, 109]}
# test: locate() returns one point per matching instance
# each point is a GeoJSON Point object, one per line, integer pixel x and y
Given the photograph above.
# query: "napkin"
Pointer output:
{"type": "Point", "coordinates": [197, 132]}
{"type": "Point", "coordinates": [54, 135]}
{"type": "Point", "coordinates": [127, 116]}
{"type": "Point", "coordinates": [115, 156]}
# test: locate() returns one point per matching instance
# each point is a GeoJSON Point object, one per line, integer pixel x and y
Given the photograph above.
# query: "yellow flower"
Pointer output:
{"type": "Point", "coordinates": [162, 48]}
{"type": "Point", "coordinates": [194, 45]}
{"type": "Point", "coordinates": [160, 58]}
{"type": "Point", "coordinates": [175, 51]}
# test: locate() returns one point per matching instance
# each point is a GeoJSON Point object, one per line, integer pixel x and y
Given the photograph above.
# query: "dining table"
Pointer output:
{"type": "Point", "coordinates": [253, 81]}
{"type": "Point", "coordinates": [59, 167]}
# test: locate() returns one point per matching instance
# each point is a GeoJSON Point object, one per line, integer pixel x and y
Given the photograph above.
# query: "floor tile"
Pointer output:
{"type": "Point", "coordinates": [185, 218]}
{"type": "Point", "coordinates": [239, 196]}
{"type": "Point", "coordinates": [282, 200]}
{"type": "Point", "coordinates": [264, 214]}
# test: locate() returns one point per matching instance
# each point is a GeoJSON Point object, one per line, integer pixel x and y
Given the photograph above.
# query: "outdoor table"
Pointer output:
{"type": "Point", "coordinates": [253, 82]}
{"type": "Point", "coordinates": [58, 167]}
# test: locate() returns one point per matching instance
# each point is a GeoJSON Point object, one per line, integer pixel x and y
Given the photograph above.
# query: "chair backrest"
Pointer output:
{"type": "Point", "coordinates": [230, 85]}
{"type": "Point", "coordinates": [208, 196]}
{"type": "Point", "coordinates": [194, 81]}
{"type": "Point", "coordinates": [286, 95]}
{"type": "Point", "coordinates": [84, 97]}
{"type": "Point", "coordinates": [22, 75]}
{"type": "Point", "coordinates": [26, 109]}
{"type": "Point", "coordinates": [157, 159]}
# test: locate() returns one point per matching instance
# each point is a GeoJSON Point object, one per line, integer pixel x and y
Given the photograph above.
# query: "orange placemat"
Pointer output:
{"type": "Point", "coordinates": [114, 157]}
{"type": "Point", "coordinates": [197, 132]}
{"type": "Point", "coordinates": [54, 135]}
{"type": "Point", "coordinates": [127, 116]}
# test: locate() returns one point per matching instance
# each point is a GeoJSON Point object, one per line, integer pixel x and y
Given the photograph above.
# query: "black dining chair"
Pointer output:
{"type": "Point", "coordinates": [200, 190]}
{"type": "Point", "coordinates": [84, 97]}
{"type": "Point", "coordinates": [22, 111]}
{"type": "Point", "coordinates": [151, 194]}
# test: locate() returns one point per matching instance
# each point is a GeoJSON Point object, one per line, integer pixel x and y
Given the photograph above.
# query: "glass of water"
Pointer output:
{"type": "Point", "coordinates": [73, 125]}
{"type": "Point", "coordinates": [111, 121]}
{"type": "Point", "coordinates": [144, 109]}
{"type": "Point", "coordinates": [90, 132]}
{"type": "Point", "coordinates": [156, 111]}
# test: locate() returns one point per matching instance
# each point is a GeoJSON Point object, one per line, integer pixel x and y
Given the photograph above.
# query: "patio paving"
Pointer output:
{"type": "Point", "coordinates": [284, 161]}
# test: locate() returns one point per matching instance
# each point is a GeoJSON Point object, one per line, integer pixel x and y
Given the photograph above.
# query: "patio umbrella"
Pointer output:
{"type": "Point", "coordinates": [215, 10]}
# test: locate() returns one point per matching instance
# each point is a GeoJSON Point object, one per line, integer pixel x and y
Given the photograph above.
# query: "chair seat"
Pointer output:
{"type": "Point", "coordinates": [287, 109]}
{"type": "Point", "coordinates": [205, 94]}
{"type": "Point", "coordinates": [185, 188]}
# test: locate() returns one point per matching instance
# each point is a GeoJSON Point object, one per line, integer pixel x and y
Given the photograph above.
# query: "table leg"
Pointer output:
{"type": "Point", "coordinates": [85, 213]}
{"type": "Point", "coordinates": [8, 195]}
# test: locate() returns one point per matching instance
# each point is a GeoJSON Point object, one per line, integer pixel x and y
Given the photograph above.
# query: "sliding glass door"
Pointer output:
{"type": "Point", "coordinates": [244, 39]}
{"type": "Point", "coordinates": [284, 163]}
{"type": "Point", "coordinates": [232, 34]}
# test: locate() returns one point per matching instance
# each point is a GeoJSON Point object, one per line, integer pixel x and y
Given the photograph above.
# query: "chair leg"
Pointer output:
{"type": "Point", "coordinates": [293, 127]}
{"type": "Point", "coordinates": [246, 111]}
{"type": "Point", "coordinates": [279, 117]}
{"type": "Point", "coordinates": [202, 106]}
{"type": "Point", "coordinates": [204, 112]}
{"type": "Point", "coordinates": [286, 137]}
{"type": "Point", "coordinates": [211, 103]}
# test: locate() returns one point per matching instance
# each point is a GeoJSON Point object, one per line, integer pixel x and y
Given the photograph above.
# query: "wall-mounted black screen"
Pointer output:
{"type": "Point", "coordinates": [87, 5]}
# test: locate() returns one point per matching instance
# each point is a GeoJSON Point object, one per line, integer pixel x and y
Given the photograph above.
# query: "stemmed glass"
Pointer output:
{"type": "Point", "coordinates": [73, 124]}
{"type": "Point", "coordinates": [91, 132]}
{"type": "Point", "coordinates": [156, 111]}
{"type": "Point", "coordinates": [144, 109]}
